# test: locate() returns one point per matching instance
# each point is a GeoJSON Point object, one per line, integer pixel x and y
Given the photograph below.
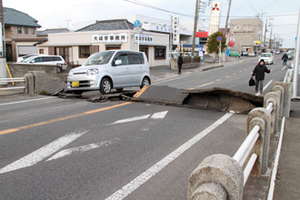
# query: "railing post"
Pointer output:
{"type": "Point", "coordinates": [280, 91]}
{"type": "Point", "coordinates": [223, 173]}
{"type": "Point", "coordinates": [273, 97]}
{"type": "Point", "coordinates": [262, 118]}
{"type": "Point", "coordinates": [29, 83]}
{"type": "Point", "coordinates": [287, 97]}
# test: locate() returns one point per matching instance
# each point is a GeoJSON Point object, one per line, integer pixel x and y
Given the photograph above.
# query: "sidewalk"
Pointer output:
{"type": "Point", "coordinates": [287, 183]}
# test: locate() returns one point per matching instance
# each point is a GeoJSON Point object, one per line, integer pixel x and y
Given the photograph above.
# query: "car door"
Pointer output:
{"type": "Point", "coordinates": [136, 67]}
{"type": "Point", "coordinates": [121, 71]}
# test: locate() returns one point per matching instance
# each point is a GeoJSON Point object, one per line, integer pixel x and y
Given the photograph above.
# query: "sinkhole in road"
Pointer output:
{"type": "Point", "coordinates": [219, 99]}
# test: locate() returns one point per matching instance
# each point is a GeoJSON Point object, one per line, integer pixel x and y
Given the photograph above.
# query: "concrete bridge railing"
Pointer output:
{"type": "Point", "coordinates": [223, 177]}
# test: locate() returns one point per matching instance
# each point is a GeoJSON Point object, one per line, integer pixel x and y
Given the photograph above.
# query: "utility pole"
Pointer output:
{"type": "Point", "coordinates": [296, 67]}
{"type": "Point", "coordinates": [265, 33]}
{"type": "Point", "coordinates": [3, 71]}
{"type": "Point", "coordinates": [171, 42]}
{"type": "Point", "coordinates": [270, 42]}
{"type": "Point", "coordinates": [195, 26]}
{"type": "Point", "coordinates": [227, 17]}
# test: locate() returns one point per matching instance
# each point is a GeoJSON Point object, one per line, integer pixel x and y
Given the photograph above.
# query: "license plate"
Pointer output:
{"type": "Point", "coordinates": [75, 84]}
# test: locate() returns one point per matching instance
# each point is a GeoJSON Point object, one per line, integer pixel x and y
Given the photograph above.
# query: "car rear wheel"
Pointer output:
{"type": "Point", "coordinates": [105, 86]}
{"type": "Point", "coordinates": [146, 81]}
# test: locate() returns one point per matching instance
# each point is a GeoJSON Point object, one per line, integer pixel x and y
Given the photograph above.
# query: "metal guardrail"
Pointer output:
{"type": "Point", "coordinates": [12, 80]}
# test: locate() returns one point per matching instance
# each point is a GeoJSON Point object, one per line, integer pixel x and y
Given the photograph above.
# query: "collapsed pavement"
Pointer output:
{"type": "Point", "coordinates": [219, 99]}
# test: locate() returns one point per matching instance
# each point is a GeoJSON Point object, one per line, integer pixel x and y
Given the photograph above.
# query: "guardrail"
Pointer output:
{"type": "Point", "coordinates": [12, 80]}
{"type": "Point", "coordinates": [223, 177]}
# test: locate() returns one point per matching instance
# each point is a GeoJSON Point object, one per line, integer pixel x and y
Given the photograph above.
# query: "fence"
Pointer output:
{"type": "Point", "coordinates": [223, 177]}
{"type": "Point", "coordinates": [12, 80]}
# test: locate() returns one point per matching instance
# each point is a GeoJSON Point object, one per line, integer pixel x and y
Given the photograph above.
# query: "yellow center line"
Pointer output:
{"type": "Point", "coordinates": [60, 119]}
{"type": "Point", "coordinates": [205, 84]}
{"type": "Point", "coordinates": [227, 76]}
{"type": "Point", "coordinates": [218, 80]}
{"type": "Point", "coordinates": [234, 74]}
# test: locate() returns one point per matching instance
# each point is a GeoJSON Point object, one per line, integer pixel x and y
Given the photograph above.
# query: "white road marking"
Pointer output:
{"type": "Point", "coordinates": [130, 119]}
{"type": "Point", "coordinates": [81, 149]}
{"type": "Point", "coordinates": [159, 115]}
{"type": "Point", "coordinates": [41, 153]}
{"type": "Point", "coordinates": [283, 68]}
{"type": "Point", "coordinates": [152, 171]}
{"type": "Point", "coordinates": [16, 102]}
{"type": "Point", "coordinates": [265, 87]}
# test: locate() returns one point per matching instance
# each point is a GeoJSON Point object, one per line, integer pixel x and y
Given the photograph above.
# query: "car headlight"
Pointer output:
{"type": "Point", "coordinates": [92, 72]}
{"type": "Point", "coordinates": [71, 73]}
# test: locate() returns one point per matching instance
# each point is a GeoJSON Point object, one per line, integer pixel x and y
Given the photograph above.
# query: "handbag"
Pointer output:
{"type": "Point", "coordinates": [251, 82]}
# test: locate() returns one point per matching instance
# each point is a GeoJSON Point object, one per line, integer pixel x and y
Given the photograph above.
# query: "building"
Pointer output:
{"type": "Point", "coordinates": [77, 46]}
{"type": "Point", "coordinates": [156, 25]}
{"type": "Point", "coordinates": [247, 34]}
{"type": "Point", "coordinates": [20, 34]}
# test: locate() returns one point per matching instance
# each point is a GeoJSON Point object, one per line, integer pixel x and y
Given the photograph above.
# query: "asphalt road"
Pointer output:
{"type": "Point", "coordinates": [55, 148]}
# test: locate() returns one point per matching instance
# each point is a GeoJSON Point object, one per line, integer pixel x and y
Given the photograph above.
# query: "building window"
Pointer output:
{"type": "Point", "coordinates": [41, 51]}
{"type": "Point", "coordinates": [84, 51]}
{"type": "Point", "coordinates": [160, 53]}
{"type": "Point", "coordinates": [19, 30]}
{"type": "Point", "coordinates": [26, 30]}
{"type": "Point", "coordinates": [33, 31]}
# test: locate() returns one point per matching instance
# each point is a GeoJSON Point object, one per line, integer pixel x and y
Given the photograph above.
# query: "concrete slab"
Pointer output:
{"type": "Point", "coordinates": [160, 94]}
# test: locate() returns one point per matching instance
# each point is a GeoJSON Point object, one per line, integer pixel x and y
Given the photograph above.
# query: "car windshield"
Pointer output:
{"type": "Point", "coordinates": [99, 58]}
{"type": "Point", "coordinates": [27, 60]}
{"type": "Point", "coordinates": [266, 55]}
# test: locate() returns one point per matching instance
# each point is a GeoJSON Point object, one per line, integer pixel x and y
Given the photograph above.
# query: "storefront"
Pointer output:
{"type": "Point", "coordinates": [76, 47]}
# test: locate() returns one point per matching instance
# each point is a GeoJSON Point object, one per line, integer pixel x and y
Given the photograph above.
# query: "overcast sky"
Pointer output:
{"type": "Point", "coordinates": [60, 13]}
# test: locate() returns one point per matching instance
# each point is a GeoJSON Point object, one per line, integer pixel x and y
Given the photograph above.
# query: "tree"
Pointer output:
{"type": "Point", "coordinates": [213, 43]}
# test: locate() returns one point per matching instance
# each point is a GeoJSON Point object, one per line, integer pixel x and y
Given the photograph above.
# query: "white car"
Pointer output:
{"type": "Point", "coordinates": [267, 57]}
{"type": "Point", "coordinates": [22, 58]}
{"type": "Point", "coordinates": [47, 59]}
{"type": "Point", "coordinates": [108, 70]}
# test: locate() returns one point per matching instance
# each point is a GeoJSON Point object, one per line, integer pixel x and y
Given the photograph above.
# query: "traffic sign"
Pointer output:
{"type": "Point", "coordinates": [137, 23]}
{"type": "Point", "coordinates": [219, 39]}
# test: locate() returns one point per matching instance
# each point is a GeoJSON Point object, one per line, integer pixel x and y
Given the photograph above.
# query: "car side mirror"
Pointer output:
{"type": "Point", "coordinates": [118, 62]}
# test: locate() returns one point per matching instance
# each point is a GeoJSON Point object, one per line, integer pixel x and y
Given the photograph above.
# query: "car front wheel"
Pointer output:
{"type": "Point", "coordinates": [105, 86]}
{"type": "Point", "coordinates": [146, 81]}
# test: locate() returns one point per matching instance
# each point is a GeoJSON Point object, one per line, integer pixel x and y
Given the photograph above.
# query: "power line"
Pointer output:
{"type": "Point", "coordinates": [157, 8]}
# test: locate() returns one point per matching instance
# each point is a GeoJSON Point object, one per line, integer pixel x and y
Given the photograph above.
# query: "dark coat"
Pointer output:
{"type": "Point", "coordinates": [259, 71]}
{"type": "Point", "coordinates": [284, 56]}
{"type": "Point", "coordinates": [180, 60]}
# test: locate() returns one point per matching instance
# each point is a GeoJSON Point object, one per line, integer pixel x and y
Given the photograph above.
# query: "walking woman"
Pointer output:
{"type": "Point", "coordinates": [259, 73]}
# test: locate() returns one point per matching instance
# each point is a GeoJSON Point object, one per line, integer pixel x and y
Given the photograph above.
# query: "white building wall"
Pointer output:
{"type": "Point", "coordinates": [76, 39]}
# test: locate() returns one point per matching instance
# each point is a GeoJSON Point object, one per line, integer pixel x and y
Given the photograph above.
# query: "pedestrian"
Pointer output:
{"type": "Point", "coordinates": [259, 73]}
{"type": "Point", "coordinates": [284, 58]}
{"type": "Point", "coordinates": [180, 62]}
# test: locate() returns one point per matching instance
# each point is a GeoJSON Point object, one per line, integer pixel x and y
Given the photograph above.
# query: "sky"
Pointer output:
{"type": "Point", "coordinates": [283, 14]}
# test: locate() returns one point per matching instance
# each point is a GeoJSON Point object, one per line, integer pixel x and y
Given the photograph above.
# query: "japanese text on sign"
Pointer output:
{"type": "Point", "coordinates": [110, 38]}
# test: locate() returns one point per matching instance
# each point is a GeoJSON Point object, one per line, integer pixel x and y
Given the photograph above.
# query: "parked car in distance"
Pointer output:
{"type": "Point", "coordinates": [47, 59]}
{"type": "Point", "coordinates": [267, 57]}
{"type": "Point", "coordinates": [22, 58]}
{"type": "Point", "coordinates": [277, 52]}
{"type": "Point", "coordinates": [107, 70]}
{"type": "Point", "coordinates": [290, 55]}
{"type": "Point", "coordinates": [251, 54]}
{"type": "Point", "coordinates": [234, 53]}
{"type": "Point", "coordinates": [244, 53]}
